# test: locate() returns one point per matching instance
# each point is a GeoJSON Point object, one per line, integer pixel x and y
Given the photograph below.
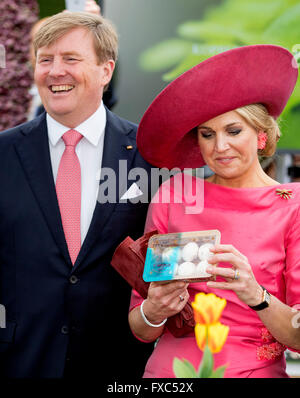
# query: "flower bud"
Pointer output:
{"type": "Point", "coordinates": [208, 308]}
{"type": "Point", "coordinates": [217, 335]}
{"type": "Point", "coordinates": [214, 335]}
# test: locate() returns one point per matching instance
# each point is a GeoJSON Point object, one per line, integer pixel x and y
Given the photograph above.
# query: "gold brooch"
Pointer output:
{"type": "Point", "coordinates": [284, 193]}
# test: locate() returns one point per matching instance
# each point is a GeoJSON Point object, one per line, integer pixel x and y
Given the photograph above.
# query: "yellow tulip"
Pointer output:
{"type": "Point", "coordinates": [208, 308]}
{"type": "Point", "coordinates": [201, 335]}
{"type": "Point", "coordinates": [216, 336]}
{"type": "Point", "coordinates": [213, 335]}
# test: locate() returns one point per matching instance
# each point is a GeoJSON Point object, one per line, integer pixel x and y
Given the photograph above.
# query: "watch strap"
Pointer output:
{"type": "Point", "coordinates": [265, 302]}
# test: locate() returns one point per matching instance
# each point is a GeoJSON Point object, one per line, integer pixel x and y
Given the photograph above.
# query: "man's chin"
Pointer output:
{"type": "Point", "coordinates": [59, 111]}
{"type": "Point", "coordinates": [63, 116]}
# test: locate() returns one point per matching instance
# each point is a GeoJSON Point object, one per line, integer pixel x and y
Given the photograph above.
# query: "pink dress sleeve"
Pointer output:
{"type": "Point", "coordinates": [292, 269]}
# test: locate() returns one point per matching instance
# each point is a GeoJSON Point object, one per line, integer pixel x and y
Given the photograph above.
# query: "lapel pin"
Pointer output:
{"type": "Point", "coordinates": [129, 147]}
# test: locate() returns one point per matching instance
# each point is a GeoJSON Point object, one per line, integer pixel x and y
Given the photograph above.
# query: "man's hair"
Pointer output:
{"type": "Point", "coordinates": [103, 32]}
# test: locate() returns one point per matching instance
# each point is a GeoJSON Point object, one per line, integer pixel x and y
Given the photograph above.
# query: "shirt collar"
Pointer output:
{"type": "Point", "coordinates": [92, 128]}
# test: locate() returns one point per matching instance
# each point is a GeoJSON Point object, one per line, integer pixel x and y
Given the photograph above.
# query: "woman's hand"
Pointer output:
{"type": "Point", "coordinates": [165, 300]}
{"type": "Point", "coordinates": [239, 278]}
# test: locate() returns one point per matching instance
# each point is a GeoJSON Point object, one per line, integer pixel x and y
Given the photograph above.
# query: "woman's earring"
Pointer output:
{"type": "Point", "coordinates": [261, 140]}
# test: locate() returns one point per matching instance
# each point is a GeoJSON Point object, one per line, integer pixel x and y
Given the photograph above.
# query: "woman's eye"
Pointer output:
{"type": "Point", "coordinates": [206, 135]}
{"type": "Point", "coordinates": [235, 132]}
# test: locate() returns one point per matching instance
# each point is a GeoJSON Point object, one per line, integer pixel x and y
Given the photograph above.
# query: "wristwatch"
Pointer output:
{"type": "Point", "coordinates": [265, 301]}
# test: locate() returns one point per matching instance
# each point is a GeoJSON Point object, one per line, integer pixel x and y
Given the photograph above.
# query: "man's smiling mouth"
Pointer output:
{"type": "Point", "coordinates": [63, 88]}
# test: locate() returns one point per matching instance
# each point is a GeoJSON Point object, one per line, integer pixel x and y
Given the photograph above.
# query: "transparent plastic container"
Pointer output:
{"type": "Point", "coordinates": [180, 256]}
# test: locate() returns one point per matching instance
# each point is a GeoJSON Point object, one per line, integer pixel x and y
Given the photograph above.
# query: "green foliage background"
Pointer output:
{"type": "Point", "coordinates": [231, 24]}
{"type": "Point", "coordinates": [50, 7]}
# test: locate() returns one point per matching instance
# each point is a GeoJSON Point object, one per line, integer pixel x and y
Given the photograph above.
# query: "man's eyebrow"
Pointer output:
{"type": "Point", "coordinates": [71, 53]}
{"type": "Point", "coordinates": [64, 54]}
{"type": "Point", "coordinates": [44, 55]}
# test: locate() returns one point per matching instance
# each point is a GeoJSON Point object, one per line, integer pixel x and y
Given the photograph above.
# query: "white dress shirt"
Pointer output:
{"type": "Point", "coordinates": [89, 151]}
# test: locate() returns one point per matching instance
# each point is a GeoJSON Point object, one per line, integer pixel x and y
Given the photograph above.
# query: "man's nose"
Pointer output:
{"type": "Point", "coordinates": [57, 68]}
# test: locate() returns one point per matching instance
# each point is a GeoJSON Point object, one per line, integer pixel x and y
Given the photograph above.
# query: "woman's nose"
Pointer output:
{"type": "Point", "coordinates": [221, 143]}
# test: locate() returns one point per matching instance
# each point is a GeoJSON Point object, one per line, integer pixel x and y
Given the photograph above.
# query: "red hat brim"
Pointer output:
{"type": "Point", "coordinates": [245, 75]}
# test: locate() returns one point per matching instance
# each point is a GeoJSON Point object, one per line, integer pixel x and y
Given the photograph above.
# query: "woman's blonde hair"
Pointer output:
{"type": "Point", "coordinates": [104, 33]}
{"type": "Point", "coordinates": [258, 117]}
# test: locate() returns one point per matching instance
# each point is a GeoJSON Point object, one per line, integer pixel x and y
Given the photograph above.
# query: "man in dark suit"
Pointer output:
{"type": "Point", "coordinates": [66, 307]}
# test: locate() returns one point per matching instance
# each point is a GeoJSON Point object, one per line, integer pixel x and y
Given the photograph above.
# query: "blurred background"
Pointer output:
{"type": "Point", "coordinates": [159, 40]}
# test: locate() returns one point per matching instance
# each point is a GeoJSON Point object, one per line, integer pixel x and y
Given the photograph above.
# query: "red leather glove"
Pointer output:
{"type": "Point", "coordinates": [128, 260]}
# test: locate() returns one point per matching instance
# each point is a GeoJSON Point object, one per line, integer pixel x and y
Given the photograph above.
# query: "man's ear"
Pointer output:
{"type": "Point", "coordinates": [108, 69]}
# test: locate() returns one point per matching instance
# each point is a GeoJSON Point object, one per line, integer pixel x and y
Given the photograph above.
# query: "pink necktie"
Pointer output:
{"type": "Point", "coordinates": [68, 190]}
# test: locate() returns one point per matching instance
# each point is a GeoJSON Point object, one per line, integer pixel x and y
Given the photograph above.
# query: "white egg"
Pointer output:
{"type": "Point", "coordinates": [204, 253]}
{"type": "Point", "coordinates": [185, 269]}
{"type": "Point", "coordinates": [201, 269]}
{"type": "Point", "coordinates": [175, 269]}
{"type": "Point", "coordinates": [190, 251]}
{"type": "Point", "coordinates": [171, 254]}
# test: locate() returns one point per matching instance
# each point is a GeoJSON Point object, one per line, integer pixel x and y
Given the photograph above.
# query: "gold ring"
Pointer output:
{"type": "Point", "coordinates": [236, 274]}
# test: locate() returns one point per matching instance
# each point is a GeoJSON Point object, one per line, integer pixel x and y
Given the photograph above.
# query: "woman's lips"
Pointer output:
{"type": "Point", "coordinates": [225, 160]}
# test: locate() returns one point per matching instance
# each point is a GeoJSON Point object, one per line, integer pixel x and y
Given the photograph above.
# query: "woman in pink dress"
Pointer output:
{"type": "Point", "coordinates": [204, 117]}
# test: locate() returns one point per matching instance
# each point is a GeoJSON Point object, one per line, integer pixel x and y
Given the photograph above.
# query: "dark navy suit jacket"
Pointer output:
{"type": "Point", "coordinates": [64, 320]}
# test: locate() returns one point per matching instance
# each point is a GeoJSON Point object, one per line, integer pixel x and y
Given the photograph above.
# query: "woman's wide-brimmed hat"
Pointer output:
{"type": "Point", "coordinates": [246, 75]}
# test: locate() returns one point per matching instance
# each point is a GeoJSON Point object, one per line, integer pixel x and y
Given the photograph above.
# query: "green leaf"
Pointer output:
{"type": "Point", "coordinates": [206, 365]}
{"type": "Point", "coordinates": [183, 369]}
{"type": "Point", "coordinates": [219, 33]}
{"type": "Point", "coordinates": [289, 126]}
{"type": "Point", "coordinates": [218, 373]}
{"type": "Point", "coordinates": [285, 30]}
{"type": "Point", "coordinates": [231, 23]}
{"type": "Point", "coordinates": [248, 15]}
{"type": "Point", "coordinates": [200, 52]}
{"type": "Point", "coordinates": [164, 55]}
{"type": "Point", "coordinates": [187, 63]}
{"type": "Point", "coordinates": [294, 99]}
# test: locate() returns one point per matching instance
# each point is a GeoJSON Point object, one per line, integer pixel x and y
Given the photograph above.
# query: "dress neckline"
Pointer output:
{"type": "Point", "coordinates": [223, 197]}
{"type": "Point", "coordinates": [266, 187]}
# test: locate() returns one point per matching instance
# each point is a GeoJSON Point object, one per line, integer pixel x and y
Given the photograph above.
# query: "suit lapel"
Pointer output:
{"type": "Point", "coordinates": [116, 141]}
{"type": "Point", "coordinates": [33, 151]}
